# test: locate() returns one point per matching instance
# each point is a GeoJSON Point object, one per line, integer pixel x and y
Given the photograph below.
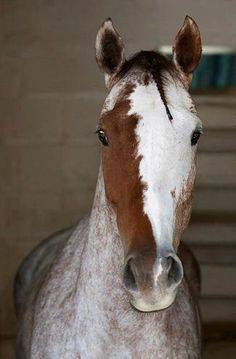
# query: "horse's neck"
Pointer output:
{"type": "Point", "coordinates": [102, 257]}
{"type": "Point", "coordinates": [103, 233]}
{"type": "Point", "coordinates": [102, 219]}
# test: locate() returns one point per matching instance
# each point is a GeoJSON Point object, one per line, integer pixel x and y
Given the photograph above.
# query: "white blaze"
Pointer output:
{"type": "Point", "coordinates": [165, 150]}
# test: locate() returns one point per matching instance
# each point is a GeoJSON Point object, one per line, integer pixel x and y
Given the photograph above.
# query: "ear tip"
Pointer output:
{"type": "Point", "coordinates": [107, 23]}
{"type": "Point", "coordinates": [108, 19]}
{"type": "Point", "coordinates": [188, 18]}
{"type": "Point", "coordinates": [190, 21]}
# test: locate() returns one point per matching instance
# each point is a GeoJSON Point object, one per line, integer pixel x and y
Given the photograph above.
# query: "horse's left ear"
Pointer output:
{"type": "Point", "coordinates": [187, 49]}
{"type": "Point", "coordinates": [109, 50]}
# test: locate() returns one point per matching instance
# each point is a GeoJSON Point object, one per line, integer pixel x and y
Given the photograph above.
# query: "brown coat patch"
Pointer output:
{"type": "Point", "coordinates": [121, 175]}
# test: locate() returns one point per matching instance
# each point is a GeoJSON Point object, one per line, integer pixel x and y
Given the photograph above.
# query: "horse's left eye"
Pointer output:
{"type": "Point", "coordinates": [195, 136]}
{"type": "Point", "coordinates": [102, 137]}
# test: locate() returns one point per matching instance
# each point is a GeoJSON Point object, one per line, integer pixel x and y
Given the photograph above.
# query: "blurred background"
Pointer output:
{"type": "Point", "coordinates": [51, 93]}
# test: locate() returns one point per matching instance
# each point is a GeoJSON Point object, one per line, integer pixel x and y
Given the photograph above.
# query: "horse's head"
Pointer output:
{"type": "Point", "coordinates": [149, 128]}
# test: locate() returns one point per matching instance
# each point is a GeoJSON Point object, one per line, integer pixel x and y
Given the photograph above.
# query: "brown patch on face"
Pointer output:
{"type": "Point", "coordinates": [121, 176]}
{"type": "Point", "coordinates": [183, 208]}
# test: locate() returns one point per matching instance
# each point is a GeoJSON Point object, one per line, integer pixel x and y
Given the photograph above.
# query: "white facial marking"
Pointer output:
{"type": "Point", "coordinates": [165, 150]}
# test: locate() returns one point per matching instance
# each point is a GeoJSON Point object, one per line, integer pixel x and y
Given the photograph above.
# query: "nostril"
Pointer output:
{"type": "Point", "coordinates": [129, 278]}
{"type": "Point", "coordinates": [175, 270]}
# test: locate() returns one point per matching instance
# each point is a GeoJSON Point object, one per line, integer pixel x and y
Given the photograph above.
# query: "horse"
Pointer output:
{"type": "Point", "coordinates": [121, 284]}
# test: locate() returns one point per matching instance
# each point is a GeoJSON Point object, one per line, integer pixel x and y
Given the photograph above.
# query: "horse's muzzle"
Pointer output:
{"type": "Point", "coordinates": [152, 283]}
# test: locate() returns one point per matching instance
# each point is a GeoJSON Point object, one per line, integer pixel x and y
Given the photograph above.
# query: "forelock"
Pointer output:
{"type": "Point", "coordinates": [150, 61]}
{"type": "Point", "coordinates": [151, 66]}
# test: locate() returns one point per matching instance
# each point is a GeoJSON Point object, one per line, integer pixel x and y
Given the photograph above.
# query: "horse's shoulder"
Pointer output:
{"type": "Point", "coordinates": [39, 262]}
{"type": "Point", "coordinates": [46, 269]}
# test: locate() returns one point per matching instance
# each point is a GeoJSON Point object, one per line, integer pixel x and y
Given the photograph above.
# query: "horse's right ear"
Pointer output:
{"type": "Point", "coordinates": [109, 50]}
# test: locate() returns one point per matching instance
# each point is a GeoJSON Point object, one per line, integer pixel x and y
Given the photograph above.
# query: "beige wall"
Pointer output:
{"type": "Point", "coordinates": [51, 93]}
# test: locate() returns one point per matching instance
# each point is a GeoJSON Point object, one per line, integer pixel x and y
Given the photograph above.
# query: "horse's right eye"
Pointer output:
{"type": "Point", "coordinates": [102, 137]}
{"type": "Point", "coordinates": [195, 136]}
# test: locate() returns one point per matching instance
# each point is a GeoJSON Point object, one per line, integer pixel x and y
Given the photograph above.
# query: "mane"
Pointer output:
{"type": "Point", "coordinates": [157, 65]}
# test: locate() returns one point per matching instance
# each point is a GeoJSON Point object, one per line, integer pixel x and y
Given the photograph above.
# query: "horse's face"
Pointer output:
{"type": "Point", "coordinates": [149, 129]}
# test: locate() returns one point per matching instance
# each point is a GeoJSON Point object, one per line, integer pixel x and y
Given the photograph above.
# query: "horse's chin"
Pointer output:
{"type": "Point", "coordinates": [142, 305]}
